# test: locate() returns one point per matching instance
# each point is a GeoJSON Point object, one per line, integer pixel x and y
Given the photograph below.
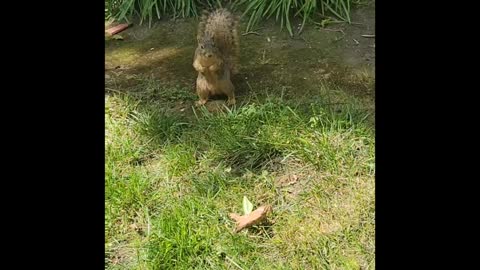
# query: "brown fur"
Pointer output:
{"type": "Point", "coordinates": [216, 56]}
{"type": "Point", "coordinates": [218, 34]}
{"type": "Point", "coordinates": [215, 80]}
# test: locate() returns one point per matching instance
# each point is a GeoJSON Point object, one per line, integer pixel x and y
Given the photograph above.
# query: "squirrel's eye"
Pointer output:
{"type": "Point", "coordinates": [201, 47]}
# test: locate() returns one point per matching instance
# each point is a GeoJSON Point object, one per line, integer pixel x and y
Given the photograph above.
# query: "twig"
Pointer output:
{"type": "Point", "coordinates": [114, 90]}
{"type": "Point", "coordinates": [251, 32]}
{"type": "Point", "coordinates": [336, 103]}
{"type": "Point", "coordinates": [340, 38]}
{"type": "Point", "coordinates": [300, 38]}
{"type": "Point", "coordinates": [368, 36]}
{"type": "Point", "coordinates": [356, 41]}
{"type": "Point", "coordinates": [148, 223]}
{"type": "Point", "coordinates": [234, 263]}
{"type": "Point", "coordinates": [334, 30]}
{"type": "Point", "coordinates": [117, 29]}
{"type": "Point", "coordinates": [263, 56]}
{"type": "Point", "coordinates": [249, 86]}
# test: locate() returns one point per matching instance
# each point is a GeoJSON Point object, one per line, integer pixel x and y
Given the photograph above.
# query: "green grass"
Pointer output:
{"type": "Point", "coordinates": [172, 179]}
{"type": "Point", "coordinates": [284, 11]}
{"type": "Point", "coordinates": [148, 10]}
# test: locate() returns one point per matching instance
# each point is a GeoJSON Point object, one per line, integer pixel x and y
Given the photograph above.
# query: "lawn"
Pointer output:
{"type": "Point", "coordinates": [172, 179]}
{"type": "Point", "coordinates": [301, 139]}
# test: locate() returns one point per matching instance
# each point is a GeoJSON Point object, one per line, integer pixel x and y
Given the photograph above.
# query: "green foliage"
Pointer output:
{"type": "Point", "coordinates": [171, 182]}
{"type": "Point", "coordinates": [255, 10]}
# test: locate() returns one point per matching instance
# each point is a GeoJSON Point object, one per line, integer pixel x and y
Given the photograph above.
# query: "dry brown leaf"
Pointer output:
{"type": "Point", "coordinates": [288, 180]}
{"type": "Point", "coordinates": [255, 217]}
{"type": "Point", "coordinates": [294, 180]}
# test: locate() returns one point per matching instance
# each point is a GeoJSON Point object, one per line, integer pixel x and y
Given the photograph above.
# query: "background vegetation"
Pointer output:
{"type": "Point", "coordinates": [283, 11]}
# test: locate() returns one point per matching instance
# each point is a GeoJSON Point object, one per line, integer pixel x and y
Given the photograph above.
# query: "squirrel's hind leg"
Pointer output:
{"type": "Point", "coordinates": [202, 92]}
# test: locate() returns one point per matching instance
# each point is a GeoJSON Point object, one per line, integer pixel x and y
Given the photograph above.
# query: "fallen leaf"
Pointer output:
{"type": "Point", "coordinates": [287, 180]}
{"type": "Point", "coordinates": [255, 217]}
{"type": "Point", "coordinates": [294, 180]}
{"type": "Point", "coordinates": [247, 206]}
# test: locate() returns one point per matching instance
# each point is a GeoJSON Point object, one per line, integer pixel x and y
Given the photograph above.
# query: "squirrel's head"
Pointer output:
{"type": "Point", "coordinates": [207, 47]}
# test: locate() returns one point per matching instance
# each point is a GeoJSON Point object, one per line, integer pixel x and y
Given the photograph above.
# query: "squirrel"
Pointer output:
{"type": "Point", "coordinates": [216, 56]}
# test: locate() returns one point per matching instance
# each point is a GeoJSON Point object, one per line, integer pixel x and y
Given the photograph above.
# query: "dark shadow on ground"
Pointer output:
{"type": "Point", "coordinates": [271, 61]}
{"type": "Point", "coordinates": [150, 61]}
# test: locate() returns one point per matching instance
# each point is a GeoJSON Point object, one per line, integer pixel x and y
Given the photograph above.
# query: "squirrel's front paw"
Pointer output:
{"type": "Point", "coordinates": [198, 67]}
{"type": "Point", "coordinates": [200, 102]}
{"type": "Point", "coordinates": [231, 102]}
{"type": "Point", "coordinates": [201, 69]}
{"type": "Point", "coordinates": [214, 68]}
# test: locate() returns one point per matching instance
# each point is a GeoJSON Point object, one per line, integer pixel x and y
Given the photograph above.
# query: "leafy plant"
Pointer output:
{"type": "Point", "coordinates": [284, 10]}
{"type": "Point", "coordinates": [255, 10]}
